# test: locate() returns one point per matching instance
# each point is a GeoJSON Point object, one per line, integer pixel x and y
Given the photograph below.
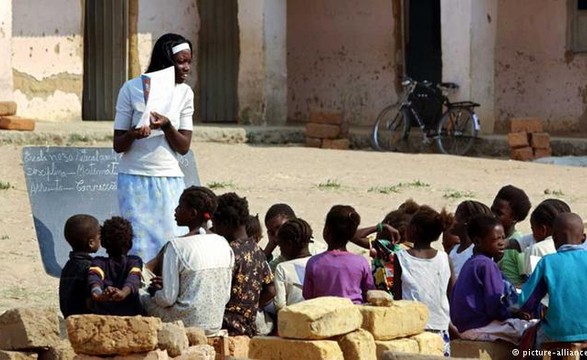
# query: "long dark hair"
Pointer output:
{"type": "Point", "coordinates": [162, 57]}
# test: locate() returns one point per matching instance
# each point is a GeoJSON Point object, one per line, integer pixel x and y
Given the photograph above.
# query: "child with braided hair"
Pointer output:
{"type": "Point", "coordinates": [424, 274]}
{"type": "Point", "coordinates": [542, 224]}
{"type": "Point", "coordinates": [338, 272]}
{"type": "Point", "coordinates": [293, 239]}
{"type": "Point", "coordinates": [196, 268]}
{"type": "Point", "coordinates": [460, 253]}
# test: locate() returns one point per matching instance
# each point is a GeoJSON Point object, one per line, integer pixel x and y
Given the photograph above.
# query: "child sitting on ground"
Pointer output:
{"type": "Point", "coordinates": [114, 281]}
{"type": "Point", "coordinates": [82, 233]}
{"type": "Point", "coordinates": [423, 273]}
{"type": "Point", "coordinates": [511, 205]}
{"type": "Point", "coordinates": [254, 228]}
{"type": "Point", "coordinates": [390, 237]}
{"type": "Point", "coordinates": [196, 269]}
{"type": "Point", "coordinates": [293, 239]}
{"type": "Point", "coordinates": [252, 280]}
{"type": "Point", "coordinates": [460, 253]}
{"type": "Point", "coordinates": [562, 276]}
{"type": "Point", "coordinates": [277, 215]}
{"type": "Point", "coordinates": [337, 272]}
{"type": "Point", "coordinates": [392, 228]}
{"type": "Point", "coordinates": [477, 306]}
{"type": "Point", "coordinates": [542, 222]}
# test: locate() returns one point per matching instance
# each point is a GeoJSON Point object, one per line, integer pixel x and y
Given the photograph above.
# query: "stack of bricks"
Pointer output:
{"type": "Point", "coordinates": [96, 337]}
{"type": "Point", "coordinates": [9, 120]}
{"type": "Point", "coordinates": [327, 130]}
{"type": "Point", "coordinates": [528, 140]}
{"type": "Point", "coordinates": [335, 328]}
{"type": "Point", "coordinates": [29, 333]}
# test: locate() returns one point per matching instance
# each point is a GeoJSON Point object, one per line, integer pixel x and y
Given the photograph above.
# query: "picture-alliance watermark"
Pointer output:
{"type": "Point", "coordinates": [557, 352]}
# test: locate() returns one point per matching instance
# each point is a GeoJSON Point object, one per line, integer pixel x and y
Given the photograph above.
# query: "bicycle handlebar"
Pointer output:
{"type": "Point", "coordinates": [447, 85]}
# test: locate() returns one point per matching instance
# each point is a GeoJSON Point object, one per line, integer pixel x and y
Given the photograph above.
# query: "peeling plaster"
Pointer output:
{"type": "Point", "coordinates": [33, 88]}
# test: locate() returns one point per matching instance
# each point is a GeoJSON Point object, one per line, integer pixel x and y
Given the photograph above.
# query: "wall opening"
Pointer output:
{"type": "Point", "coordinates": [422, 40]}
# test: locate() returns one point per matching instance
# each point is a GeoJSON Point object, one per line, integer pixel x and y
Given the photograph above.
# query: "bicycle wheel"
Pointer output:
{"type": "Point", "coordinates": [391, 129]}
{"type": "Point", "coordinates": [457, 131]}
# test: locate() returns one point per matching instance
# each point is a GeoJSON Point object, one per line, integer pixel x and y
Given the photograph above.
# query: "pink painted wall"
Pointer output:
{"type": "Point", "coordinates": [534, 74]}
{"type": "Point", "coordinates": [340, 56]}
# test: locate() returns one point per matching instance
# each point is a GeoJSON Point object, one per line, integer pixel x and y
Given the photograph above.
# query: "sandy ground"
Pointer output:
{"type": "Point", "coordinates": [373, 183]}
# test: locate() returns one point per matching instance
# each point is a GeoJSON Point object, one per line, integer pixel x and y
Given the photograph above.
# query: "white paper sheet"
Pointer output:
{"type": "Point", "coordinates": [158, 89]}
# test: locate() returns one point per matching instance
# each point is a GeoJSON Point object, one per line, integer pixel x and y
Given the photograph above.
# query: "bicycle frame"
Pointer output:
{"type": "Point", "coordinates": [405, 103]}
{"type": "Point", "coordinates": [453, 126]}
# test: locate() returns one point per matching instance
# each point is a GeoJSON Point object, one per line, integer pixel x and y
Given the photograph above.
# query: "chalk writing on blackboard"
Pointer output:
{"type": "Point", "coordinates": [63, 181]}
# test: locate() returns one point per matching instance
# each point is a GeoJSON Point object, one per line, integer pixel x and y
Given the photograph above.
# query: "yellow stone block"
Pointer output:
{"type": "Point", "coordinates": [429, 343]}
{"type": "Point", "coordinates": [359, 344]}
{"type": "Point", "coordinates": [319, 318]}
{"type": "Point", "coordinates": [398, 345]}
{"type": "Point", "coordinates": [404, 318]}
{"type": "Point", "coordinates": [275, 348]}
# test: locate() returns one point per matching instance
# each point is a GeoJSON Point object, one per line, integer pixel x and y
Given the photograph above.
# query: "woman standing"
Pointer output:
{"type": "Point", "coordinates": [150, 180]}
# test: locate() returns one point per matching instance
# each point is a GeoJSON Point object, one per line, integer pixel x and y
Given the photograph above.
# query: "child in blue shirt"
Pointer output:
{"type": "Point", "coordinates": [562, 276]}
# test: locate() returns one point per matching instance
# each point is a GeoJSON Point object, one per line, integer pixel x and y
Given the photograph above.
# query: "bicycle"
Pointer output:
{"type": "Point", "coordinates": [454, 130]}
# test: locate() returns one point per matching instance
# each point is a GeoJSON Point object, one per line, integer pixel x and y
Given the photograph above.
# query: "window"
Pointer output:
{"type": "Point", "coordinates": [577, 25]}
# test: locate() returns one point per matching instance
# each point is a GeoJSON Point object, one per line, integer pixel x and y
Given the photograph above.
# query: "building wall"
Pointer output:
{"type": "Point", "coordinates": [251, 68]}
{"type": "Point", "coordinates": [47, 51]}
{"type": "Point", "coordinates": [157, 18]}
{"type": "Point", "coordinates": [535, 75]}
{"type": "Point", "coordinates": [47, 58]}
{"type": "Point", "coordinates": [6, 45]}
{"type": "Point", "coordinates": [340, 56]}
{"type": "Point", "coordinates": [469, 29]}
{"type": "Point", "coordinates": [275, 40]}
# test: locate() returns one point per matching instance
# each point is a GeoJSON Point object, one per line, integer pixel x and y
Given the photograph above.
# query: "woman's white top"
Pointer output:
{"type": "Point", "coordinates": [459, 259]}
{"type": "Point", "coordinates": [426, 280]}
{"type": "Point", "coordinates": [151, 156]}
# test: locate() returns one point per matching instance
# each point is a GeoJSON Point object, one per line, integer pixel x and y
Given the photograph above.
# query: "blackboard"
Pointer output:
{"type": "Point", "coordinates": [64, 181]}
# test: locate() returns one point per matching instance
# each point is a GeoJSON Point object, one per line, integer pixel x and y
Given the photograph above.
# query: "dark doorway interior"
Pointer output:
{"type": "Point", "coordinates": [105, 56]}
{"type": "Point", "coordinates": [218, 60]}
{"type": "Point", "coordinates": [422, 36]}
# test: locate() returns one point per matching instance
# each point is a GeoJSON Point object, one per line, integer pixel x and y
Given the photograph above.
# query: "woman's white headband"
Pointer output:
{"type": "Point", "coordinates": [180, 47]}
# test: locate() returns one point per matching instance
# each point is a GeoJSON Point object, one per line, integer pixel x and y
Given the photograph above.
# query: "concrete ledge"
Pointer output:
{"type": "Point", "coordinates": [68, 133]}
{"type": "Point", "coordinates": [101, 131]}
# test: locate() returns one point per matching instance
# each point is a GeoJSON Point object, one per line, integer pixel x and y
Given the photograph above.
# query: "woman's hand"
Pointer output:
{"type": "Point", "coordinates": [140, 133]}
{"type": "Point", "coordinates": [159, 121]}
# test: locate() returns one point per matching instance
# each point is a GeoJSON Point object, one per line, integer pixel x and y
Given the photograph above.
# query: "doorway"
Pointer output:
{"type": "Point", "coordinates": [423, 40]}
{"type": "Point", "coordinates": [105, 56]}
{"type": "Point", "coordinates": [218, 60]}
